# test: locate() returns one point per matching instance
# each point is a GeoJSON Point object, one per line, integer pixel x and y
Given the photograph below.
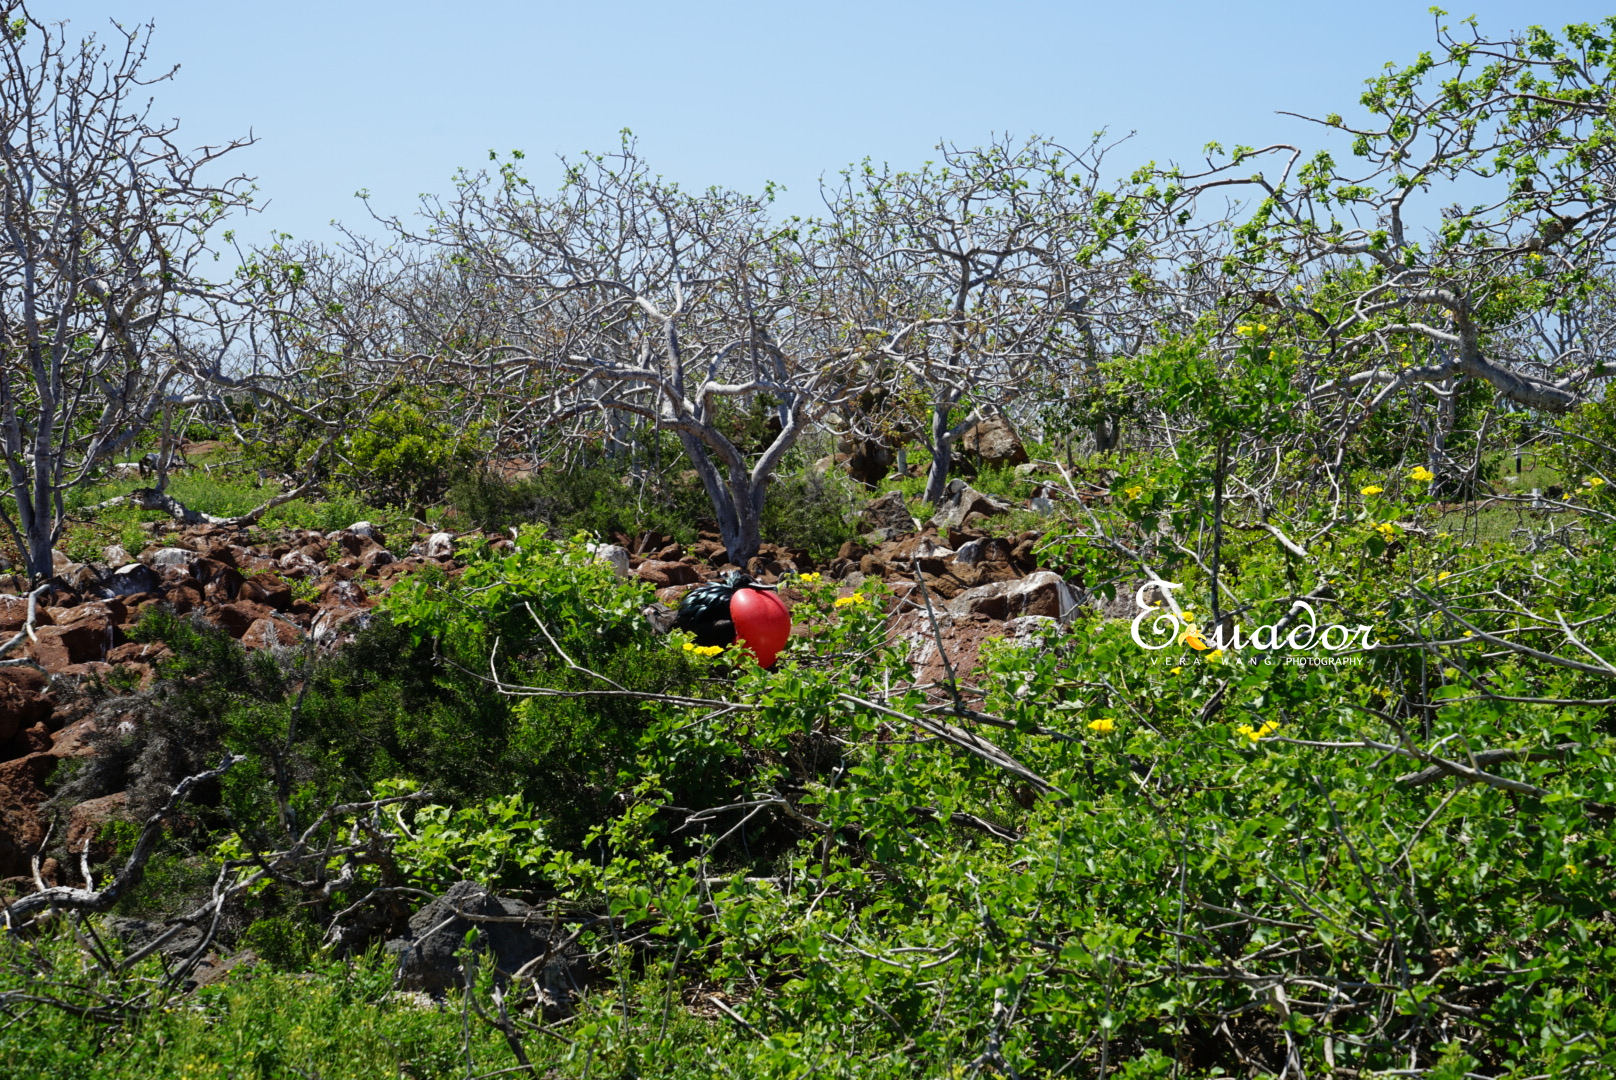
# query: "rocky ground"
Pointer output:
{"type": "Point", "coordinates": [955, 584]}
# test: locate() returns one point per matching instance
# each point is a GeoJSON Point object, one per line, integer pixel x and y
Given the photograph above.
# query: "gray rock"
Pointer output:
{"type": "Point", "coordinates": [171, 558]}
{"type": "Point", "coordinates": [130, 579]}
{"type": "Point", "coordinates": [297, 563]}
{"type": "Point", "coordinates": [439, 545]}
{"type": "Point", "coordinates": [614, 554]}
{"type": "Point", "coordinates": [890, 511]}
{"type": "Point", "coordinates": [427, 957]}
{"type": "Point", "coordinates": [1042, 592]}
{"type": "Point", "coordinates": [365, 528]}
{"type": "Point", "coordinates": [961, 502]}
{"type": "Point", "coordinates": [115, 555]}
{"type": "Point", "coordinates": [971, 552]}
{"type": "Point", "coordinates": [994, 442]}
{"type": "Point", "coordinates": [1041, 505]}
{"type": "Point", "coordinates": [136, 934]}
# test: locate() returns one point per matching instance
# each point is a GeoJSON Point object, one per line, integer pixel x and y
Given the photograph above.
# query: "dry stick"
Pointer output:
{"type": "Point", "coordinates": [937, 635]}
{"type": "Point", "coordinates": [133, 868]}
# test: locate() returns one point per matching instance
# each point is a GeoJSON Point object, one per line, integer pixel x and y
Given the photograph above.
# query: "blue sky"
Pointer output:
{"type": "Point", "coordinates": [395, 97]}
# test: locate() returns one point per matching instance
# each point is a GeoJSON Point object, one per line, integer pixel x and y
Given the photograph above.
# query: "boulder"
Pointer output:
{"type": "Point", "coordinates": [960, 501]}
{"type": "Point", "coordinates": [269, 633]}
{"type": "Point", "coordinates": [268, 590]}
{"type": "Point", "coordinates": [170, 558]}
{"type": "Point", "coordinates": [238, 617]}
{"type": "Point", "coordinates": [440, 545]}
{"type": "Point", "coordinates": [23, 701]}
{"type": "Point", "coordinates": [84, 822]}
{"type": "Point", "coordinates": [14, 613]}
{"type": "Point", "coordinates": [131, 579]}
{"type": "Point", "coordinates": [614, 554]}
{"type": "Point", "coordinates": [337, 625]}
{"type": "Point", "coordinates": [1039, 593]}
{"type": "Point", "coordinates": [427, 959]}
{"type": "Point", "coordinates": [890, 511]}
{"type": "Point", "coordinates": [663, 574]}
{"type": "Point", "coordinates": [994, 442]}
{"type": "Point", "coordinates": [81, 634]}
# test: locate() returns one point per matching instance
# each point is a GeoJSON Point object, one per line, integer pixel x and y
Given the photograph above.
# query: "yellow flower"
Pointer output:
{"type": "Point", "coordinates": [843, 601]}
{"type": "Point", "coordinates": [690, 646]}
{"type": "Point", "coordinates": [1422, 474]}
{"type": "Point", "coordinates": [1104, 725]}
{"type": "Point", "coordinates": [1176, 670]}
{"type": "Point", "coordinates": [1444, 575]}
{"type": "Point", "coordinates": [1388, 529]}
{"type": "Point", "coordinates": [1536, 256]}
{"type": "Point", "coordinates": [1372, 489]}
{"type": "Point", "coordinates": [1215, 654]}
{"type": "Point", "coordinates": [1255, 733]}
{"type": "Point", "coordinates": [1571, 869]}
{"type": "Point", "coordinates": [808, 579]}
{"type": "Point", "coordinates": [1189, 616]}
{"type": "Point", "coordinates": [1593, 481]}
{"type": "Point", "coordinates": [1469, 633]}
{"type": "Point", "coordinates": [1133, 491]}
{"type": "Point", "coordinates": [1243, 331]}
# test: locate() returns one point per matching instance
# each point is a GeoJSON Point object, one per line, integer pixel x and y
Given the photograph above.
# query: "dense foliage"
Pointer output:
{"type": "Point", "coordinates": [1317, 780]}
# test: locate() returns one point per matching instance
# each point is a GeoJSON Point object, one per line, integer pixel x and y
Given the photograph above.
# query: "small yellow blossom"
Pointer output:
{"type": "Point", "coordinates": [1255, 733]}
{"type": "Point", "coordinates": [809, 579]}
{"type": "Point", "coordinates": [1189, 616]}
{"type": "Point", "coordinates": [1536, 256]}
{"type": "Point", "coordinates": [1215, 654]}
{"type": "Point", "coordinates": [690, 646]}
{"type": "Point", "coordinates": [1444, 575]}
{"type": "Point", "coordinates": [843, 601]}
{"type": "Point", "coordinates": [1104, 725]}
{"type": "Point", "coordinates": [1571, 869]}
{"type": "Point", "coordinates": [706, 650]}
{"type": "Point", "coordinates": [1388, 530]}
{"type": "Point", "coordinates": [1133, 491]}
{"type": "Point", "coordinates": [1372, 489]}
{"type": "Point", "coordinates": [1469, 633]}
{"type": "Point", "coordinates": [1593, 481]}
{"type": "Point", "coordinates": [1176, 671]}
{"type": "Point", "coordinates": [1422, 474]}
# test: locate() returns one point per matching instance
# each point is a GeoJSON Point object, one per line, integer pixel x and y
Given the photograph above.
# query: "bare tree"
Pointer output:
{"type": "Point", "coordinates": [104, 223]}
{"type": "Point", "coordinates": [623, 295]}
{"type": "Point", "coordinates": [972, 281]}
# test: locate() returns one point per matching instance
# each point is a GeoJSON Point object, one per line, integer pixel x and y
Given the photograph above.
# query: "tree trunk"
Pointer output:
{"type": "Point", "coordinates": [737, 501]}
{"type": "Point", "coordinates": [942, 455]}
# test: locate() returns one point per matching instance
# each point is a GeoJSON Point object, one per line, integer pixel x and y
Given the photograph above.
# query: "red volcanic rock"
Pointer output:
{"type": "Point", "coordinates": [85, 820]}
{"type": "Point", "coordinates": [73, 740]}
{"type": "Point", "coordinates": [270, 633]}
{"type": "Point", "coordinates": [268, 590]}
{"type": "Point", "coordinates": [663, 574]}
{"type": "Point", "coordinates": [237, 618]}
{"type": "Point", "coordinates": [14, 613]}
{"type": "Point", "coordinates": [22, 827]}
{"type": "Point", "coordinates": [347, 593]}
{"type": "Point", "coordinates": [23, 701]}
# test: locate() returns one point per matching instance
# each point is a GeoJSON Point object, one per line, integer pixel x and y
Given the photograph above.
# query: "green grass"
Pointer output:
{"type": "Point", "coordinates": [89, 530]}
{"type": "Point", "coordinates": [334, 1022]}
